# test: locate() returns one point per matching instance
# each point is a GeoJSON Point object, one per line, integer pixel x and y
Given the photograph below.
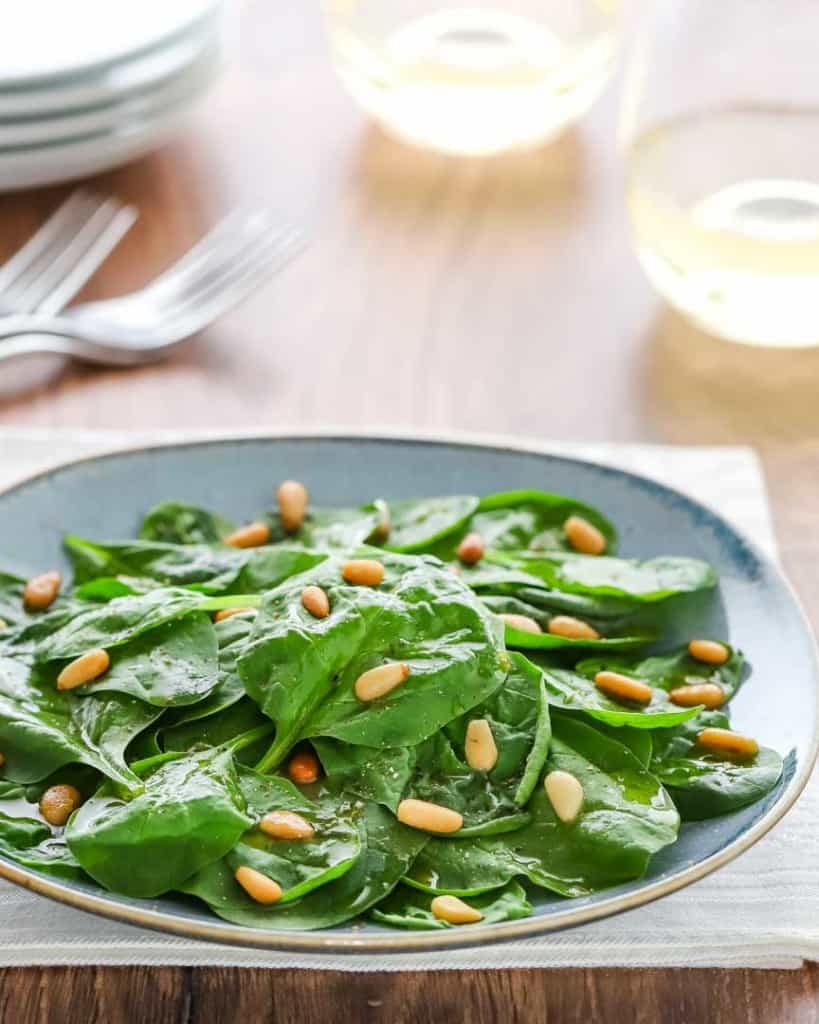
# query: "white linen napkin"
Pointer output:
{"type": "Point", "coordinates": [759, 911]}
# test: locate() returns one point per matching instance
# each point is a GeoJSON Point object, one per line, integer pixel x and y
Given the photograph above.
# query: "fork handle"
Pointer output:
{"type": "Point", "coordinates": [38, 323]}
{"type": "Point", "coordinates": [22, 345]}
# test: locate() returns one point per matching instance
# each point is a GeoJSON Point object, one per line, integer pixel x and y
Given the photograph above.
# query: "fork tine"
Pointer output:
{"type": "Point", "coordinates": [242, 274]}
{"type": "Point", "coordinates": [254, 233]}
{"type": "Point", "coordinates": [113, 228]}
{"type": "Point", "coordinates": [216, 246]}
{"type": "Point", "coordinates": [61, 264]}
{"type": "Point", "coordinates": [61, 221]}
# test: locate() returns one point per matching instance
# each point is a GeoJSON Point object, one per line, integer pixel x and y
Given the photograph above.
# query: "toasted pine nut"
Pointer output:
{"type": "Point", "coordinates": [524, 623]}
{"type": "Point", "coordinates": [565, 794]}
{"type": "Point", "coordinates": [724, 741]}
{"type": "Point", "coordinates": [41, 591]}
{"type": "Point", "coordinates": [292, 498]}
{"type": "Point", "coordinates": [470, 550]}
{"type": "Point", "coordinates": [58, 803]}
{"type": "Point", "coordinates": [572, 629]}
{"type": "Point", "coordinates": [429, 817]}
{"type": "Point", "coordinates": [226, 613]}
{"type": "Point", "coordinates": [708, 694]}
{"type": "Point", "coordinates": [454, 911]}
{"type": "Point", "coordinates": [286, 825]}
{"type": "Point", "coordinates": [316, 601]}
{"type": "Point", "coordinates": [380, 681]}
{"type": "Point", "coordinates": [85, 669]}
{"type": "Point", "coordinates": [584, 536]}
{"type": "Point", "coordinates": [258, 886]}
{"type": "Point", "coordinates": [384, 524]}
{"type": "Point", "coordinates": [2, 759]}
{"type": "Point", "coordinates": [304, 768]}
{"type": "Point", "coordinates": [709, 651]}
{"type": "Point", "coordinates": [480, 747]}
{"type": "Point", "coordinates": [363, 572]}
{"type": "Point", "coordinates": [621, 687]}
{"type": "Point", "coordinates": [251, 536]}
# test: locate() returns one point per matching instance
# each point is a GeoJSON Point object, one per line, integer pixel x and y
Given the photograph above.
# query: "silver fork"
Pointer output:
{"type": "Point", "coordinates": [222, 269]}
{"type": "Point", "coordinates": [62, 255]}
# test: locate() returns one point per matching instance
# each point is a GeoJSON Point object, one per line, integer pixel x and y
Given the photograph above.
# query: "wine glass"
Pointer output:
{"type": "Point", "coordinates": [467, 77]}
{"type": "Point", "coordinates": [720, 124]}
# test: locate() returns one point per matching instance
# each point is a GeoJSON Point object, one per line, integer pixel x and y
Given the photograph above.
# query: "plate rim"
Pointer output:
{"type": "Point", "coordinates": [334, 942]}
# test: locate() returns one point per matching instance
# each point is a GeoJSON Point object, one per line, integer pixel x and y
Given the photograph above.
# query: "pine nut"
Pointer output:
{"type": "Point", "coordinates": [303, 768]}
{"type": "Point", "coordinates": [384, 523]}
{"type": "Point", "coordinates": [286, 825]}
{"type": "Point", "coordinates": [58, 803]}
{"type": "Point", "coordinates": [470, 550]}
{"type": "Point", "coordinates": [363, 572]}
{"type": "Point", "coordinates": [3, 624]}
{"type": "Point", "coordinates": [709, 651]}
{"type": "Point", "coordinates": [708, 694]}
{"type": "Point", "coordinates": [85, 669]}
{"type": "Point", "coordinates": [480, 747]}
{"type": "Point", "coordinates": [258, 886]}
{"type": "Point", "coordinates": [380, 681]}
{"type": "Point", "coordinates": [524, 623]}
{"type": "Point", "coordinates": [41, 591]}
{"type": "Point", "coordinates": [2, 759]}
{"type": "Point", "coordinates": [572, 629]}
{"type": "Point", "coordinates": [565, 795]}
{"type": "Point", "coordinates": [292, 498]}
{"type": "Point", "coordinates": [316, 601]}
{"type": "Point", "coordinates": [454, 911]}
{"type": "Point", "coordinates": [584, 536]}
{"type": "Point", "coordinates": [251, 536]}
{"type": "Point", "coordinates": [621, 687]}
{"type": "Point", "coordinates": [724, 741]}
{"type": "Point", "coordinates": [226, 613]}
{"type": "Point", "coordinates": [429, 817]}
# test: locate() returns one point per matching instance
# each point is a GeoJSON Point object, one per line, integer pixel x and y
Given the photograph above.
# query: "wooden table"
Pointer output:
{"type": "Point", "coordinates": [494, 296]}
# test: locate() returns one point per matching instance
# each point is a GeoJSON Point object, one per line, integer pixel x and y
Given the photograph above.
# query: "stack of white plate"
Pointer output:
{"type": "Point", "coordinates": [89, 84]}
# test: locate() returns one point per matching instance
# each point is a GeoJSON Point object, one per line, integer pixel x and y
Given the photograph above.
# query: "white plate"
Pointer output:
{"type": "Point", "coordinates": [47, 39]}
{"type": "Point", "coordinates": [136, 106]}
{"type": "Point", "coordinates": [31, 167]}
{"type": "Point", "coordinates": [113, 82]}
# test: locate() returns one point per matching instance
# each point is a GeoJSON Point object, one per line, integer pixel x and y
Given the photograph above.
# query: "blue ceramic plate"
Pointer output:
{"type": "Point", "coordinates": [756, 609]}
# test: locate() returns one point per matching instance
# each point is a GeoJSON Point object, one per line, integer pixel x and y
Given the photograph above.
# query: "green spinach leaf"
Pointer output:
{"type": "Point", "coordinates": [626, 817]}
{"type": "Point", "coordinates": [417, 523]}
{"type": "Point", "coordinates": [30, 844]}
{"type": "Point", "coordinates": [533, 520]}
{"type": "Point", "coordinates": [672, 670]}
{"type": "Point", "coordinates": [190, 813]}
{"type": "Point", "coordinates": [601, 576]}
{"type": "Point", "coordinates": [572, 691]}
{"type": "Point", "coordinates": [388, 850]}
{"type": "Point", "coordinates": [175, 522]}
{"type": "Point", "coordinates": [213, 570]}
{"type": "Point", "coordinates": [703, 785]}
{"type": "Point", "coordinates": [42, 728]}
{"type": "Point", "coordinates": [302, 670]}
{"type": "Point", "coordinates": [299, 866]}
{"type": "Point", "coordinates": [406, 907]}
{"type": "Point", "coordinates": [171, 665]}
{"type": "Point", "coordinates": [436, 770]}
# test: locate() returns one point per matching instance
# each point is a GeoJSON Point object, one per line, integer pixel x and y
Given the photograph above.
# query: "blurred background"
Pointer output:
{"type": "Point", "coordinates": [496, 291]}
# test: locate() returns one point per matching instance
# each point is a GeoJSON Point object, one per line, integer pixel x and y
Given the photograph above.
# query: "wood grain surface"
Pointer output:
{"type": "Point", "coordinates": [497, 296]}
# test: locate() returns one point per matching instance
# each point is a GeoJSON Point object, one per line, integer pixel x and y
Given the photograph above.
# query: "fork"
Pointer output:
{"type": "Point", "coordinates": [143, 326]}
{"type": "Point", "coordinates": [62, 255]}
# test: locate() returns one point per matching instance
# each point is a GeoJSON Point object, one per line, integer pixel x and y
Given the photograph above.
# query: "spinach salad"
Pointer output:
{"type": "Point", "coordinates": [419, 711]}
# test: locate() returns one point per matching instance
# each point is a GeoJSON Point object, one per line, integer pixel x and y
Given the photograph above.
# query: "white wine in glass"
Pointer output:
{"type": "Point", "coordinates": [470, 78]}
{"type": "Point", "coordinates": [721, 125]}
